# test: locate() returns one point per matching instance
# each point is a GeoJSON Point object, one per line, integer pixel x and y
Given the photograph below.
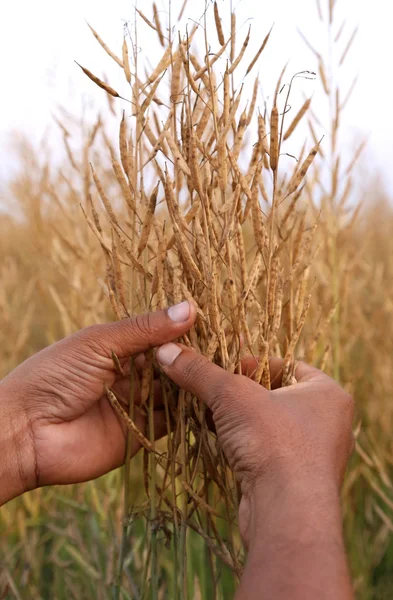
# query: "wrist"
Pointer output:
{"type": "Point", "coordinates": [17, 465]}
{"type": "Point", "coordinates": [295, 527]}
{"type": "Point", "coordinates": [302, 498]}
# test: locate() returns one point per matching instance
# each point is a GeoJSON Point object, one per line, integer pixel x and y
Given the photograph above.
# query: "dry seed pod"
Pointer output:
{"type": "Point", "coordinates": [258, 54]}
{"type": "Point", "coordinates": [233, 36]}
{"type": "Point", "coordinates": [186, 65]}
{"type": "Point", "coordinates": [323, 77]}
{"type": "Point", "coordinates": [126, 64]}
{"type": "Point", "coordinates": [278, 308]}
{"type": "Point", "coordinates": [105, 201]}
{"type": "Point", "coordinates": [163, 64]}
{"type": "Point", "coordinates": [123, 146]}
{"type": "Point", "coordinates": [99, 82]}
{"type": "Point", "coordinates": [239, 176]}
{"type": "Point", "coordinates": [176, 79]}
{"type": "Point", "coordinates": [235, 106]}
{"type": "Point", "coordinates": [217, 20]}
{"type": "Point", "coordinates": [158, 25]}
{"type": "Point", "coordinates": [297, 119]}
{"type": "Point", "coordinates": [258, 224]}
{"type": "Point", "coordinates": [147, 221]}
{"type": "Point", "coordinates": [188, 261]}
{"type": "Point", "coordinates": [105, 47]}
{"type": "Point", "coordinates": [129, 422]}
{"type": "Point", "coordinates": [147, 101]}
{"type": "Point", "coordinates": [203, 121]}
{"type": "Point", "coordinates": [301, 173]}
{"type": "Point", "coordinates": [241, 128]}
{"type": "Point", "coordinates": [239, 57]}
{"type": "Point", "coordinates": [198, 67]}
{"type": "Point", "coordinates": [119, 282]}
{"type": "Point", "coordinates": [177, 155]}
{"type": "Point", "coordinates": [253, 101]}
{"type": "Point", "coordinates": [134, 261]}
{"type": "Point", "coordinates": [125, 187]}
{"type": "Point", "coordinates": [210, 63]}
{"type": "Point", "coordinates": [116, 362]}
{"type": "Point", "coordinates": [98, 235]}
{"type": "Point", "coordinates": [188, 218]}
{"type": "Point", "coordinates": [146, 20]}
{"type": "Point", "coordinates": [94, 213]}
{"type": "Point", "coordinates": [274, 150]}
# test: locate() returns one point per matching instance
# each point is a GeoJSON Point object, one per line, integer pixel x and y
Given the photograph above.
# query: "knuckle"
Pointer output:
{"type": "Point", "coordinates": [142, 327]}
{"type": "Point", "coordinates": [194, 369]}
{"type": "Point", "coordinates": [90, 338]}
{"type": "Point", "coordinates": [91, 331]}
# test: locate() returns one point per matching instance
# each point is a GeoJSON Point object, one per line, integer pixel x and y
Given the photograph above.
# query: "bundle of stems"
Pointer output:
{"type": "Point", "coordinates": [207, 216]}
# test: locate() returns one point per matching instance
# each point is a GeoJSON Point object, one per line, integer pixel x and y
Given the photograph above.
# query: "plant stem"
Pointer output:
{"type": "Point", "coordinates": [127, 503]}
{"type": "Point", "coordinates": [184, 504]}
{"type": "Point", "coordinates": [153, 493]}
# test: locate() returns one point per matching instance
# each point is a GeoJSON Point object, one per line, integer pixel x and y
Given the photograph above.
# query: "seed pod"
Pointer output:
{"type": "Point", "coordinates": [123, 146]}
{"type": "Point", "coordinates": [105, 201]}
{"type": "Point", "coordinates": [94, 213]}
{"type": "Point", "coordinates": [300, 174]}
{"type": "Point", "coordinates": [186, 65]}
{"type": "Point", "coordinates": [323, 77]}
{"type": "Point", "coordinates": [177, 155]}
{"type": "Point", "coordinates": [257, 221]}
{"type": "Point", "coordinates": [191, 214]}
{"type": "Point", "coordinates": [224, 132]}
{"type": "Point", "coordinates": [253, 101]}
{"type": "Point", "coordinates": [126, 64]}
{"type": "Point", "coordinates": [119, 282]}
{"type": "Point", "coordinates": [217, 20]}
{"type": "Point", "coordinates": [125, 188]}
{"type": "Point", "coordinates": [203, 121]}
{"type": "Point", "coordinates": [278, 308]}
{"type": "Point", "coordinates": [348, 47]}
{"type": "Point", "coordinates": [163, 64]}
{"type": "Point", "coordinates": [233, 36]}
{"type": "Point", "coordinates": [129, 422]}
{"type": "Point", "coordinates": [188, 261]}
{"type": "Point", "coordinates": [239, 176]}
{"type": "Point", "coordinates": [99, 82]}
{"type": "Point", "coordinates": [134, 261]}
{"type": "Point", "coordinates": [147, 101]}
{"type": "Point", "coordinates": [274, 138]}
{"type": "Point", "coordinates": [239, 57]}
{"type": "Point", "coordinates": [258, 54]}
{"type": "Point", "coordinates": [105, 47]}
{"type": "Point", "coordinates": [146, 20]}
{"type": "Point", "coordinates": [176, 79]}
{"type": "Point", "coordinates": [116, 363]}
{"type": "Point", "coordinates": [158, 25]}
{"type": "Point", "coordinates": [297, 119]}
{"type": "Point", "coordinates": [211, 62]}
{"type": "Point", "coordinates": [147, 221]}
{"type": "Point", "coordinates": [240, 134]}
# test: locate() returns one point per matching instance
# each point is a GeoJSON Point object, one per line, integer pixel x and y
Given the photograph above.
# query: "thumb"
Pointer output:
{"type": "Point", "coordinates": [196, 374]}
{"type": "Point", "coordinates": [132, 336]}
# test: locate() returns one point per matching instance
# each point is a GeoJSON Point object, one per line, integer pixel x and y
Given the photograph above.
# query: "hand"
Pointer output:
{"type": "Point", "coordinates": [58, 426]}
{"type": "Point", "coordinates": [300, 433]}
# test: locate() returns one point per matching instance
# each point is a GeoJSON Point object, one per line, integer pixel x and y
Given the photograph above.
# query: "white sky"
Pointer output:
{"type": "Point", "coordinates": [39, 41]}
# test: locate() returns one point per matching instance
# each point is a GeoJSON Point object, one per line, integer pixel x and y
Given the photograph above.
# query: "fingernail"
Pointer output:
{"type": "Point", "coordinates": [167, 354]}
{"type": "Point", "coordinates": [180, 313]}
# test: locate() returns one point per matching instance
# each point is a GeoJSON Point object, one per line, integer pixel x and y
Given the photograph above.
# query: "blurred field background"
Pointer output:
{"type": "Point", "coordinates": [64, 542]}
